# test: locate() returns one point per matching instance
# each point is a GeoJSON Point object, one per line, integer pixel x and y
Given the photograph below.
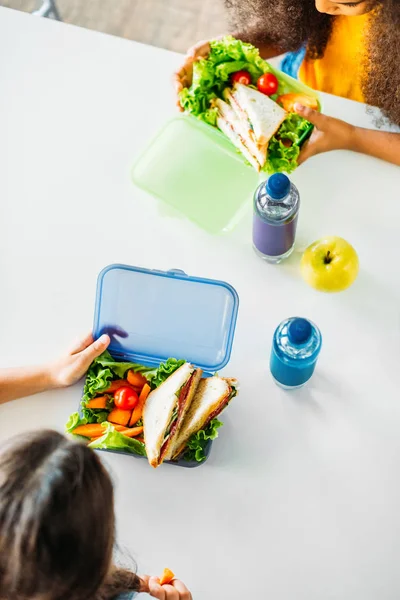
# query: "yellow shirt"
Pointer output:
{"type": "Point", "coordinates": [339, 71]}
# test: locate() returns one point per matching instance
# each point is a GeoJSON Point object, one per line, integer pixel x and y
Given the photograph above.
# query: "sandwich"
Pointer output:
{"type": "Point", "coordinates": [258, 118]}
{"type": "Point", "coordinates": [165, 410]}
{"type": "Point", "coordinates": [235, 129]}
{"type": "Point", "coordinates": [212, 395]}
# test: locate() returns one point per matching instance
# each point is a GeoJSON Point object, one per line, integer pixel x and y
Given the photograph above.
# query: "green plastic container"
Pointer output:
{"type": "Point", "coordinates": [195, 169]}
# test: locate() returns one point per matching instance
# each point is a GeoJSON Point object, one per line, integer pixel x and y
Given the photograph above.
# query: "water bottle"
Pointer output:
{"type": "Point", "coordinates": [276, 208]}
{"type": "Point", "coordinates": [295, 348]}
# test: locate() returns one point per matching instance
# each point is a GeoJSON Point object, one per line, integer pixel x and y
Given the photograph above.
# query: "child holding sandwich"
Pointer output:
{"type": "Point", "coordinates": [53, 495]}
{"type": "Point", "coordinates": [349, 49]}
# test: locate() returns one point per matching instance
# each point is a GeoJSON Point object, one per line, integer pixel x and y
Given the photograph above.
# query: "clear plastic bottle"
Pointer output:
{"type": "Point", "coordinates": [276, 208]}
{"type": "Point", "coordinates": [295, 349]}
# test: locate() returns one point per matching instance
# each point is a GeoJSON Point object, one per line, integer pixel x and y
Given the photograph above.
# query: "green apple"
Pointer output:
{"type": "Point", "coordinates": [330, 264]}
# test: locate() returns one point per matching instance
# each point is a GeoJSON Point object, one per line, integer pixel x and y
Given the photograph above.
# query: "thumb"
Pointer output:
{"type": "Point", "coordinates": [311, 115]}
{"type": "Point", "coordinates": [95, 349]}
{"type": "Point", "coordinates": [155, 589]}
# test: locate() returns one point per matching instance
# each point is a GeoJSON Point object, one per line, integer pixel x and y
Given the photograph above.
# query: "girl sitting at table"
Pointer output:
{"type": "Point", "coordinates": [349, 49]}
{"type": "Point", "coordinates": [57, 522]}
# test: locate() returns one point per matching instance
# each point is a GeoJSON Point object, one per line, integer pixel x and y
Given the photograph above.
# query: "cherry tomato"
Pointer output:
{"type": "Point", "coordinates": [241, 77]}
{"type": "Point", "coordinates": [125, 398]}
{"type": "Point", "coordinates": [267, 84]}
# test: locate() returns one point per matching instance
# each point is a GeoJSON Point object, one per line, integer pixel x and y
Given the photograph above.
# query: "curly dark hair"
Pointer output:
{"type": "Point", "coordinates": [289, 24]}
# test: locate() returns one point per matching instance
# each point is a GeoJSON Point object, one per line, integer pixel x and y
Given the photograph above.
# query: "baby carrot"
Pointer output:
{"type": "Point", "coordinates": [166, 577]}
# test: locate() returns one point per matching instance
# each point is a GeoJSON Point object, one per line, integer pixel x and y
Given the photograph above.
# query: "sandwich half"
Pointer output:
{"type": "Point", "coordinates": [213, 394]}
{"type": "Point", "coordinates": [253, 119]}
{"type": "Point", "coordinates": [229, 123]}
{"type": "Point", "coordinates": [165, 409]}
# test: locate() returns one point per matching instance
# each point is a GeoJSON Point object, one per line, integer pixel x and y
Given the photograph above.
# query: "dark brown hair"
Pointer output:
{"type": "Point", "coordinates": [289, 24]}
{"type": "Point", "coordinates": [57, 523]}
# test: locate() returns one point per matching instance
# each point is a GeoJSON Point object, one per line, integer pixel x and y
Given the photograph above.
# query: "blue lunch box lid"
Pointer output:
{"type": "Point", "coordinates": [153, 315]}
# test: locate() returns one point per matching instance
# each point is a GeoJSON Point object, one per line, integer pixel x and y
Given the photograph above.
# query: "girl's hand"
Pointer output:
{"type": "Point", "coordinates": [71, 368]}
{"type": "Point", "coordinates": [183, 77]}
{"type": "Point", "coordinates": [176, 590]}
{"type": "Point", "coordinates": [329, 133]}
{"type": "Point", "coordinates": [20, 382]}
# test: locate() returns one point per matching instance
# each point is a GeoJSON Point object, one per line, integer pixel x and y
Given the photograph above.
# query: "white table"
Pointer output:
{"type": "Point", "coordinates": [300, 498]}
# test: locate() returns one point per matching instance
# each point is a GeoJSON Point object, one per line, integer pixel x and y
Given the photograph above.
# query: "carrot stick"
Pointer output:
{"type": "Point", "coordinates": [132, 432]}
{"type": "Point", "coordinates": [119, 428]}
{"type": "Point", "coordinates": [115, 385]}
{"type": "Point", "coordinates": [167, 577]}
{"type": "Point", "coordinates": [128, 431]}
{"type": "Point", "coordinates": [138, 410]}
{"type": "Point", "coordinates": [119, 416]}
{"type": "Point", "coordinates": [92, 430]}
{"type": "Point", "coordinates": [99, 402]}
{"type": "Point", "coordinates": [137, 380]}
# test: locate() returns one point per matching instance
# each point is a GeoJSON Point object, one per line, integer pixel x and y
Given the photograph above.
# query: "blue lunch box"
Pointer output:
{"type": "Point", "coordinates": [153, 315]}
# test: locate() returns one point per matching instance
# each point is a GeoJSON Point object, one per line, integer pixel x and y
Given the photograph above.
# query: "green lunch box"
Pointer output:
{"type": "Point", "coordinates": [195, 169]}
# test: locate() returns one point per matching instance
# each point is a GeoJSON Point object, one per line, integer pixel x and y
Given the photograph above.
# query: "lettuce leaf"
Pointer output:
{"type": "Point", "coordinates": [211, 74]}
{"type": "Point", "coordinates": [198, 441]}
{"type": "Point", "coordinates": [283, 157]}
{"type": "Point", "coordinates": [74, 420]}
{"type": "Point", "coordinates": [94, 415]}
{"type": "Point", "coordinates": [164, 371]}
{"type": "Point", "coordinates": [114, 440]}
{"type": "Point", "coordinates": [105, 369]}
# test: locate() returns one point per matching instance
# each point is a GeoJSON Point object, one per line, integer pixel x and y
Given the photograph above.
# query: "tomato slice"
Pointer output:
{"type": "Point", "coordinates": [243, 77]}
{"type": "Point", "coordinates": [125, 398]}
{"type": "Point", "coordinates": [267, 84]}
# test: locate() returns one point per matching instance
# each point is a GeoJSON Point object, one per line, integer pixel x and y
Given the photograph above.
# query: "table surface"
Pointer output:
{"type": "Point", "coordinates": [300, 498]}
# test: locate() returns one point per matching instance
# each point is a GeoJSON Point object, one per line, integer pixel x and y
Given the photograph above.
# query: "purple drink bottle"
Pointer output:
{"type": "Point", "coordinates": [276, 208]}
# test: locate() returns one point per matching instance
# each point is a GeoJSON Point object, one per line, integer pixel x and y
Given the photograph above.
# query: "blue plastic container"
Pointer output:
{"type": "Point", "coordinates": [153, 315]}
{"type": "Point", "coordinates": [295, 349]}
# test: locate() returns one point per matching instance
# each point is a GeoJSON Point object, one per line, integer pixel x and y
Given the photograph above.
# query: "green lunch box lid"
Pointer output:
{"type": "Point", "coordinates": [196, 170]}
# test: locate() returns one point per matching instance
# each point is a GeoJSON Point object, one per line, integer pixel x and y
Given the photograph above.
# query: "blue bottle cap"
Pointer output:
{"type": "Point", "coordinates": [278, 186]}
{"type": "Point", "coordinates": [299, 331]}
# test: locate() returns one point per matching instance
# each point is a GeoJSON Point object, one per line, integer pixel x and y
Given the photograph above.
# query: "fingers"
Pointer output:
{"type": "Point", "coordinates": [94, 350]}
{"type": "Point", "coordinates": [158, 591]}
{"type": "Point", "coordinates": [144, 583]}
{"type": "Point", "coordinates": [183, 79]}
{"type": "Point", "coordinates": [304, 154]}
{"type": "Point", "coordinates": [184, 76]}
{"type": "Point", "coordinates": [81, 344]}
{"type": "Point", "coordinates": [184, 593]}
{"type": "Point", "coordinates": [311, 115]}
{"type": "Point", "coordinates": [311, 147]}
{"type": "Point", "coordinates": [175, 591]}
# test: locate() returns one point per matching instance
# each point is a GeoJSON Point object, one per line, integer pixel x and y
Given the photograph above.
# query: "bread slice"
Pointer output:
{"type": "Point", "coordinates": [263, 115]}
{"type": "Point", "coordinates": [165, 408]}
{"type": "Point", "coordinates": [212, 396]}
{"type": "Point", "coordinates": [235, 130]}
